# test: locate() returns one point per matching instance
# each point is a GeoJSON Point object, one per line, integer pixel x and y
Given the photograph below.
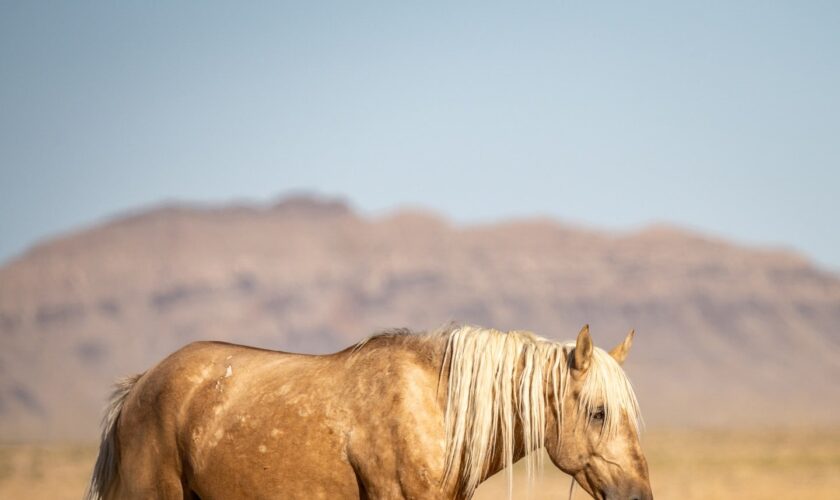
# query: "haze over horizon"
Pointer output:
{"type": "Point", "coordinates": [717, 119]}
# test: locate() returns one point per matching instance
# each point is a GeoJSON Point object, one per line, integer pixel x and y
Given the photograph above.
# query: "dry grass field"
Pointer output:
{"type": "Point", "coordinates": [689, 465]}
{"type": "Point", "coordinates": [684, 465]}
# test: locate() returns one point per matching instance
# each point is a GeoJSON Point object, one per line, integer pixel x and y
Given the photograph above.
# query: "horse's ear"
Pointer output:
{"type": "Point", "coordinates": [619, 352]}
{"type": "Point", "coordinates": [583, 350]}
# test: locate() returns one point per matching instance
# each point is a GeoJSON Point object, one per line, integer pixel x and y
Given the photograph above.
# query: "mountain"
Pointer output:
{"type": "Point", "coordinates": [726, 335]}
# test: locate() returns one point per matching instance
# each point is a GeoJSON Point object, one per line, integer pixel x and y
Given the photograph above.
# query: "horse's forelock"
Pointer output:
{"type": "Point", "coordinates": [606, 384]}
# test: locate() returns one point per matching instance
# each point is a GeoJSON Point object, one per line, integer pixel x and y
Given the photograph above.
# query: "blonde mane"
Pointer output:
{"type": "Point", "coordinates": [497, 379]}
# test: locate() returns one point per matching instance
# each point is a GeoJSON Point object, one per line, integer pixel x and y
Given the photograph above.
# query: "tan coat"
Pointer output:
{"type": "Point", "coordinates": [222, 421]}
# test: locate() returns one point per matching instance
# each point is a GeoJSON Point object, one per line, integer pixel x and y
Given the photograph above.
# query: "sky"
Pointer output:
{"type": "Point", "coordinates": [723, 117]}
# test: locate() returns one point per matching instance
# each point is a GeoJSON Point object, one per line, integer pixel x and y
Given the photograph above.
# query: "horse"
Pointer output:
{"type": "Point", "coordinates": [400, 415]}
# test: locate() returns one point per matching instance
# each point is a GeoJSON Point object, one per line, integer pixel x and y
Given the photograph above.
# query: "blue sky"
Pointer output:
{"type": "Point", "coordinates": [718, 116]}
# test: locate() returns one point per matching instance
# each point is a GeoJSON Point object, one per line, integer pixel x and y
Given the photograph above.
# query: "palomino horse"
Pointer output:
{"type": "Point", "coordinates": [399, 415]}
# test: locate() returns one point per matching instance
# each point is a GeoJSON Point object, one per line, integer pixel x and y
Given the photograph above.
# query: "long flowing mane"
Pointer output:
{"type": "Point", "coordinates": [497, 380]}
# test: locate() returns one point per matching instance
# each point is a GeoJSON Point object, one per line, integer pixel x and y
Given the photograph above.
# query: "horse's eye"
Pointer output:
{"type": "Point", "coordinates": [598, 415]}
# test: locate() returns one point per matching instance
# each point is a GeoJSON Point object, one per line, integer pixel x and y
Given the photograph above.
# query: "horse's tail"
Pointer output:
{"type": "Point", "coordinates": [105, 470]}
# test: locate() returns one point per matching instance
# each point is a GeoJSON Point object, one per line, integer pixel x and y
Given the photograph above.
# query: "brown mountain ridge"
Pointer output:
{"type": "Point", "coordinates": [726, 335]}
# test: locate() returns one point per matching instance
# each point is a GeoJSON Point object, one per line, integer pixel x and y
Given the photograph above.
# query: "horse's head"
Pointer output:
{"type": "Point", "coordinates": [596, 440]}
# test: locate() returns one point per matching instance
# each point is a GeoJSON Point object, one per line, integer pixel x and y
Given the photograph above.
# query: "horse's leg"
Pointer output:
{"type": "Point", "coordinates": [149, 465]}
{"type": "Point", "coordinates": [168, 490]}
{"type": "Point", "coordinates": [144, 473]}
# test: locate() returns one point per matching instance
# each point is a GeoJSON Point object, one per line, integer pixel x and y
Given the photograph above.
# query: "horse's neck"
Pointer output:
{"type": "Point", "coordinates": [497, 462]}
{"type": "Point", "coordinates": [496, 456]}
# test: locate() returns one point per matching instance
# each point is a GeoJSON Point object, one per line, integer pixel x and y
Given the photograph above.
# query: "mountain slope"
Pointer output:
{"type": "Point", "coordinates": [726, 334]}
